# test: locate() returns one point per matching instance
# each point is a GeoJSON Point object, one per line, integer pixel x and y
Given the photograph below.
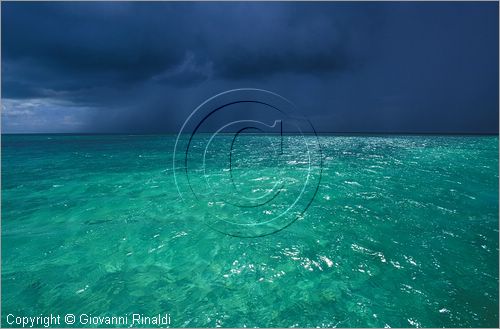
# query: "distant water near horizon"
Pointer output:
{"type": "Point", "coordinates": [403, 232]}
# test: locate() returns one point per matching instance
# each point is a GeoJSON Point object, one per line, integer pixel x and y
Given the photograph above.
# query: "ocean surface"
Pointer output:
{"type": "Point", "coordinates": [401, 231]}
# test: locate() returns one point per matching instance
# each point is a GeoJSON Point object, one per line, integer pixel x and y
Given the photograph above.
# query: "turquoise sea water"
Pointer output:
{"type": "Point", "coordinates": [402, 232]}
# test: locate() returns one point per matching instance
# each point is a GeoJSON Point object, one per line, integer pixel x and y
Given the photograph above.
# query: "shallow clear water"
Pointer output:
{"type": "Point", "coordinates": [403, 232]}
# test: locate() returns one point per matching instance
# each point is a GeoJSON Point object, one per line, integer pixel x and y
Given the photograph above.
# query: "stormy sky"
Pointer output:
{"type": "Point", "coordinates": [349, 67]}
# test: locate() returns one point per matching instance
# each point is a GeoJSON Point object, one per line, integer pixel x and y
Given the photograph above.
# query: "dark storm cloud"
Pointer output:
{"type": "Point", "coordinates": [107, 43]}
{"type": "Point", "coordinates": [131, 66]}
{"type": "Point", "coordinates": [79, 44]}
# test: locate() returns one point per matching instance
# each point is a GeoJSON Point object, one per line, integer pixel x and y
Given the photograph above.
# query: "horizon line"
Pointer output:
{"type": "Point", "coordinates": [265, 133]}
